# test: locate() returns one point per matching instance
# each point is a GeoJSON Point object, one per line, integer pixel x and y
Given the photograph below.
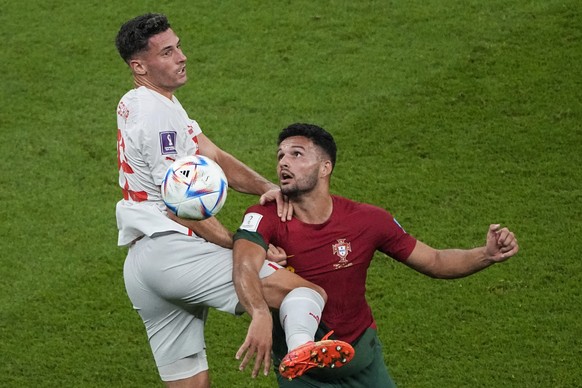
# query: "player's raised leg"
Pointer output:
{"type": "Point", "coordinates": [300, 314]}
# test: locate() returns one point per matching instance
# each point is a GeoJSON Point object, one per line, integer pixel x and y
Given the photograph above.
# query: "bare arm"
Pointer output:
{"type": "Point", "coordinates": [243, 179]}
{"type": "Point", "coordinates": [240, 177]}
{"type": "Point", "coordinates": [248, 258]}
{"type": "Point", "coordinates": [209, 229]}
{"type": "Point", "coordinates": [500, 245]}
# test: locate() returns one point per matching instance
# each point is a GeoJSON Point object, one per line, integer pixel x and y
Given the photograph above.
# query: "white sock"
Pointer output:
{"type": "Point", "coordinates": [300, 314]}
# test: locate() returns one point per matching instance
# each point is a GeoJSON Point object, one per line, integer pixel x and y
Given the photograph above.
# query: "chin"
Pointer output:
{"type": "Point", "coordinates": [289, 193]}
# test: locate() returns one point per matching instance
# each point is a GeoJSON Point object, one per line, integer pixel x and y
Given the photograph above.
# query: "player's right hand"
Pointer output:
{"type": "Point", "coordinates": [257, 344]}
{"type": "Point", "coordinates": [284, 207]}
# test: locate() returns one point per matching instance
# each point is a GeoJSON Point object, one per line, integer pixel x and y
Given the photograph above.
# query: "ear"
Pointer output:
{"type": "Point", "coordinates": [326, 168]}
{"type": "Point", "coordinates": [138, 66]}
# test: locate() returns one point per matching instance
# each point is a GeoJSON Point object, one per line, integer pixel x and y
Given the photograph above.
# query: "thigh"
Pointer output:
{"type": "Point", "coordinates": [189, 271]}
{"type": "Point", "coordinates": [171, 282]}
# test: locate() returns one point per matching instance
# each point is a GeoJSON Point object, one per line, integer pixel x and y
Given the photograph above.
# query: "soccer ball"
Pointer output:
{"type": "Point", "coordinates": [194, 187]}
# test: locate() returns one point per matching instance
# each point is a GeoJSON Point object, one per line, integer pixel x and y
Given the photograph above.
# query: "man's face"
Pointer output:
{"type": "Point", "coordinates": [299, 166]}
{"type": "Point", "coordinates": [163, 65]}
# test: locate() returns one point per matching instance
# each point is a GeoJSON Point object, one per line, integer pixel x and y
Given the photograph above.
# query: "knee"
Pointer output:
{"type": "Point", "coordinates": [320, 291]}
{"type": "Point", "coordinates": [277, 286]}
{"type": "Point", "coordinates": [311, 286]}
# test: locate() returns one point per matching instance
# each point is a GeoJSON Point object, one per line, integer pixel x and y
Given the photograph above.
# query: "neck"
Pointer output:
{"type": "Point", "coordinates": [140, 81]}
{"type": "Point", "coordinates": [313, 209]}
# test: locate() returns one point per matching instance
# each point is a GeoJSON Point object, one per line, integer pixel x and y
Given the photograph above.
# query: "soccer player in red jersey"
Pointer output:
{"type": "Point", "coordinates": [331, 241]}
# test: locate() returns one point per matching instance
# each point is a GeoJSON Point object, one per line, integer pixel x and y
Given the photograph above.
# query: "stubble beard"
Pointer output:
{"type": "Point", "coordinates": [300, 188]}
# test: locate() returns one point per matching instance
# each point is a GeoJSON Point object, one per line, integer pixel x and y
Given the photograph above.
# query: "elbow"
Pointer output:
{"type": "Point", "coordinates": [442, 276]}
{"type": "Point", "coordinates": [434, 273]}
{"type": "Point", "coordinates": [439, 271]}
{"type": "Point", "coordinates": [436, 268]}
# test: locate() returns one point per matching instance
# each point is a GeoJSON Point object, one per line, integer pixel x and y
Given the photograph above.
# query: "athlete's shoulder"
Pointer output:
{"type": "Point", "coordinates": [347, 205]}
{"type": "Point", "coordinates": [143, 100]}
{"type": "Point", "coordinates": [268, 209]}
{"type": "Point", "coordinates": [130, 105]}
{"type": "Point", "coordinates": [134, 96]}
{"type": "Point", "coordinates": [260, 219]}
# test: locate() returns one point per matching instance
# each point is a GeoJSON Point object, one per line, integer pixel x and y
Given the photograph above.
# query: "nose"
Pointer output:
{"type": "Point", "coordinates": [283, 162]}
{"type": "Point", "coordinates": [181, 56]}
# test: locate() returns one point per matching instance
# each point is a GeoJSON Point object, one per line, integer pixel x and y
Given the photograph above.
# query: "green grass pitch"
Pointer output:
{"type": "Point", "coordinates": [450, 114]}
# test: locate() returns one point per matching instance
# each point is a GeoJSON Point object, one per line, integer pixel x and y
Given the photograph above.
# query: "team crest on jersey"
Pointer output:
{"type": "Point", "coordinates": [122, 110]}
{"type": "Point", "coordinates": [168, 142]}
{"type": "Point", "coordinates": [342, 249]}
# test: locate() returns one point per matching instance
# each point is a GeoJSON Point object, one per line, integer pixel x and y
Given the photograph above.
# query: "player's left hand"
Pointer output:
{"type": "Point", "coordinates": [277, 255]}
{"type": "Point", "coordinates": [284, 207]}
{"type": "Point", "coordinates": [501, 243]}
{"type": "Point", "coordinates": [258, 344]}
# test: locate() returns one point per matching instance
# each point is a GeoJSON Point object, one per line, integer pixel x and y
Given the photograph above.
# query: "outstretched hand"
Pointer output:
{"type": "Point", "coordinates": [284, 207]}
{"type": "Point", "coordinates": [501, 243]}
{"type": "Point", "coordinates": [258, 344]}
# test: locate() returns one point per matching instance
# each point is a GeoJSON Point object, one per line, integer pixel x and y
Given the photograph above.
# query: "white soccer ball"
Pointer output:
{"type": "Point", "coordinates": [194, 187]}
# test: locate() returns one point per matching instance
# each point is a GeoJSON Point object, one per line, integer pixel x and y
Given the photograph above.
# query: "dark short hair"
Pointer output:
{"type": "Point", "coordinates": [133, 36]}
{"type": "Point", "coordinates": [319, 136]}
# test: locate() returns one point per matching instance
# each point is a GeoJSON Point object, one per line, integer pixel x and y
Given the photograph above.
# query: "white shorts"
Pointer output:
{"type": "Point", "coordinates": [172, 280]}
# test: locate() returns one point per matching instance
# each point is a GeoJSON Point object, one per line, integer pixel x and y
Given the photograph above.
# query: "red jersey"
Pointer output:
{"type": "Point", "coordinates": [336, 255]}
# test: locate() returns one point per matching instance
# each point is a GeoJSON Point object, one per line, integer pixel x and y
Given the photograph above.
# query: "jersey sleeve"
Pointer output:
{"type": "Point", "coordinates": [394, 241]}
{"type": "Point", "coordinates": [259, 225]}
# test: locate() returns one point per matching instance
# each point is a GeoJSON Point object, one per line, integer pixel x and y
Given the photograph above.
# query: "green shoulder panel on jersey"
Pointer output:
{"type": "Point", "coordinates": [251, 236]}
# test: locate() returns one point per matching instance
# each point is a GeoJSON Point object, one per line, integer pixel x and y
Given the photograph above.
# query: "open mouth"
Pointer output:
{"type": "Point", "coordinates": [285, 176]}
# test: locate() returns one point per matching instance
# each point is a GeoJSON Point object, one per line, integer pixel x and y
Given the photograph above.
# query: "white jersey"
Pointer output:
{"type": "Point", "coordinates": [153, 132]}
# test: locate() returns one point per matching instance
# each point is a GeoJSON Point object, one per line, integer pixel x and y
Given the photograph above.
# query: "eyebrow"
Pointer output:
{"type": "Point", "coordinates": [293, 147]}
{"type": "Point", "coordinates": [171, 46]}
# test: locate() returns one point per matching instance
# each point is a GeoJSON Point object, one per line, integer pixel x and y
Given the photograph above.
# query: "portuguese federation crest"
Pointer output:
{"type": "Point", "coordinates": [342, 249]}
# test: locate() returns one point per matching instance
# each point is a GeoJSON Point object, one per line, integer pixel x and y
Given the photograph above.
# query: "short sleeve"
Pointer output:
{"type": "Point", "coordinates": [260, 220]}
{"type": "Point", "coordinates": [393, 240]}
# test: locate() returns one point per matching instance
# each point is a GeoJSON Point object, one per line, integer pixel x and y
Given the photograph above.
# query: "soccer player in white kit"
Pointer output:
{"type": "Point", "coordinates": [176, 269]}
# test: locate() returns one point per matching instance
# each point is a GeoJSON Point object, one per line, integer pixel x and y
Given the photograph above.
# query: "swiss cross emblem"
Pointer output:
{"type": "Point", "coordinates": [342, 249]}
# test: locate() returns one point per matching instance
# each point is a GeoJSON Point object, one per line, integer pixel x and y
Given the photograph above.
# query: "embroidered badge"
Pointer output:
{"type": "Point", "coordinates": [251, 222]}
{"type": "Point", "coordinates": [342, 249]}
{"type": "Point", "coordinates": [122, 110]}
{"type": "Point", "coordinates": [168, 142]}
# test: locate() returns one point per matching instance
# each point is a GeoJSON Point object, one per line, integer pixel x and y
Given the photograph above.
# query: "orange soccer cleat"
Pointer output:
{"type": "Point", "coordinates": [320, 354]}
